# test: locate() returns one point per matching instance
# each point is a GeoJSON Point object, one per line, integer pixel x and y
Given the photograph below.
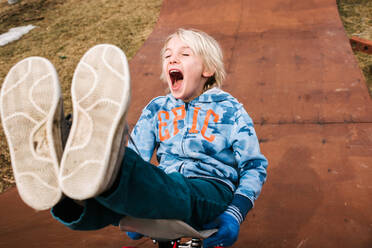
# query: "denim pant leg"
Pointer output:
{"type": "Point", "coordinates": [91, 216]}
{"type": "Point", "coordinates": [143, 190]}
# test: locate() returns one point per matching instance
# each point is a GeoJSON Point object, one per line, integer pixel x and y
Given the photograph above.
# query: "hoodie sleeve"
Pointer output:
{"type": "Point", "coordinates": [251, 165]}
{"type": "Point", "coordinates": [143, 134]}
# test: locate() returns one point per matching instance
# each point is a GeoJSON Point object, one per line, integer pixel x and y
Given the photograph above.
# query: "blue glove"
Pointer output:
{"type": "Point", "coordinates": [228, 231]}
{"type": "Point", "coordinates": [134, 235]}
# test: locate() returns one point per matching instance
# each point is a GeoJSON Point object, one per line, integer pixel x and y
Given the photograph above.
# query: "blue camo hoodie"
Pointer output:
{"type": "Point", "coordinates": [210, 137]}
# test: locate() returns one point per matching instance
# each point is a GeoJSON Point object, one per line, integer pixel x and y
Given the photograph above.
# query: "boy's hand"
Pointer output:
{"type": "Point", "coordinates": [227, 234]}
{"type": "Point", "coordinates": [134, 235]}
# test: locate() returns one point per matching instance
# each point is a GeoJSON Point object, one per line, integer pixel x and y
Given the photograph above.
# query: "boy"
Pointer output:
{"type": "Point", "coordinates": [210, 167]}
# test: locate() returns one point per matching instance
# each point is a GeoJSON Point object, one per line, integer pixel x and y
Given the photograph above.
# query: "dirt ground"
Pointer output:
{"type": "Point", "coordinates": [67, 28]}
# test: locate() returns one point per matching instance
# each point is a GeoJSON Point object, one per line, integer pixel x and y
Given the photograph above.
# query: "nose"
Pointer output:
{"type": "Point", "coordinates": [174, 59]}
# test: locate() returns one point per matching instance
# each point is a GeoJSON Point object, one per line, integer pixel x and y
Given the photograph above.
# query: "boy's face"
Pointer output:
{"type": "Point", "coordinates": [184, 70]}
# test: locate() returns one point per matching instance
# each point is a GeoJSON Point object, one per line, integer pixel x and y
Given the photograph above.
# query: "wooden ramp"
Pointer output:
{"type": "Point", "coordinates": [291, 65]}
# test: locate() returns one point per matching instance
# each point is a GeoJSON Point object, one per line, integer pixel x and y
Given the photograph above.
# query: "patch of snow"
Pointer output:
{"type": "Point", "coordinates": [14, 34]}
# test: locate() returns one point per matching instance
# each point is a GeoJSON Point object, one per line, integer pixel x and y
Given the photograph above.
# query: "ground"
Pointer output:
{"type": "Point", "coordinates": [356, 16]}
{"type": "Point", "coordinates": [68, 28]}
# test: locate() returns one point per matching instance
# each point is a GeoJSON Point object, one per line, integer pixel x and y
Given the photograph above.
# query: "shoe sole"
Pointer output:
{"type": "Point", "coordinates": [31, 110]}
{"type": "Point", "coordinates": [100, 93]}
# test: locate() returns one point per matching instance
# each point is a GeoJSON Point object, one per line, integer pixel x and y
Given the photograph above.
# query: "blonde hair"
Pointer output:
{"type": "Point", "coordinates": [205, 46]}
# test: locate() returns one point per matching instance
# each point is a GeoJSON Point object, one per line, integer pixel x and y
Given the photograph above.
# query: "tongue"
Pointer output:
{"type": "Point", "coordinates": [177, 84]}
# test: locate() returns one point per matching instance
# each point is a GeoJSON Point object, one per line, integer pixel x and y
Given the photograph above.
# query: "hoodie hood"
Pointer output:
{"type": "Point", "coordinates": [211, 95]}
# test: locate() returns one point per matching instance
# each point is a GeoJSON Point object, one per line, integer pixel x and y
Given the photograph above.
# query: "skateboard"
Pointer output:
{"type": "Point", "coordinates": [166, 233]}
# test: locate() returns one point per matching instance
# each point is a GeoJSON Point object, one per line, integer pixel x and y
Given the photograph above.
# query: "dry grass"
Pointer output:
{"type": "Point", "coordinates": [66, 29]}
{"type": "Point", "coordinates": [356, 16]}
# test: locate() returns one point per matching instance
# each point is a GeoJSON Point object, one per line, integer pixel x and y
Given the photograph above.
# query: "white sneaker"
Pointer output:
{"type": "Point", "coordinates": [31, 112]}
{"type": "Point", "coordinates": [100, 96]}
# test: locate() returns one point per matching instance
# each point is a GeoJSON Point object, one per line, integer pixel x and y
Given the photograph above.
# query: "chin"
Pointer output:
{"type": "Point", "coordinates": [177, 96]}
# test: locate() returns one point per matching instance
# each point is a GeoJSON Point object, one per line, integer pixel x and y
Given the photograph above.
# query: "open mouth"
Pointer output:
{"type": "Point", "coordinates": [176, 77]}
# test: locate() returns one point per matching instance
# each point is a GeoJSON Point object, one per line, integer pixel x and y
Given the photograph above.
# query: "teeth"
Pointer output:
{"type": "Point", "coordinates": [172, 71]}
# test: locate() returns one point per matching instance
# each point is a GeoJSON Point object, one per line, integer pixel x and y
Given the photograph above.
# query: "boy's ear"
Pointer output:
{"type": "Point", "coordinates": [207, 73]}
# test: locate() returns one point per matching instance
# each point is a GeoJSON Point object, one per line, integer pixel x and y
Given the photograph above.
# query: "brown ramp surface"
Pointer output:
{"type": "Point", "coordinates": [291, 65]}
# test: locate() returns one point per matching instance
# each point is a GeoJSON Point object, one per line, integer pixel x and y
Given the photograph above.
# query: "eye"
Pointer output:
{"type": "Point", "coordinates": [185, 54]}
